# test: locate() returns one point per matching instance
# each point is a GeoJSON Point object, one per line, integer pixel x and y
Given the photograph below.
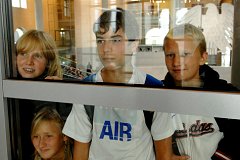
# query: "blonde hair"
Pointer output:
{"type": "Point", "coordinates": [50, 114]}
{"type": "Point", "coordinates": [33, 39]}
{"type": "Point", "coordinates": [188, 30]}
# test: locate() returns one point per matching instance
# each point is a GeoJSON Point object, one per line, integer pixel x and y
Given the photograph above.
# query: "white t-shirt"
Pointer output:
{"type": "Point", "coordinates": [116, 133]}
{"type": "Point", "coordinates": [197, 136]}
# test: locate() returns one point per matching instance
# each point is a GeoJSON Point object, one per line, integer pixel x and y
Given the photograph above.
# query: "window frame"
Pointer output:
{"type": "Point", "coordinates": [188, 101]}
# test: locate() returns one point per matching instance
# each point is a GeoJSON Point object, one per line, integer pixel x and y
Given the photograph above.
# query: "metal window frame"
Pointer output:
{"type": "Point", "coordinates": [184, 101]}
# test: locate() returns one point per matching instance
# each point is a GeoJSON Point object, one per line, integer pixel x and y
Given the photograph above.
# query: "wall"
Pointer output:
{"type": "Point", "coordinates": [24, 17]}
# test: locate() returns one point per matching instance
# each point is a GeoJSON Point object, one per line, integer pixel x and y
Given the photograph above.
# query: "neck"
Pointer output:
{"type": "Point", "coordinates": [117, 76]}
{"type": "Point", "coordinates": [193, 83]}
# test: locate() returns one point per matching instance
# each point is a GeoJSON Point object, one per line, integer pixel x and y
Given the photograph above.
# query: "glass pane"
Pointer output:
{"type": "Point", "coordinates": [139, 50]}
{"type": "Point", "coordinates": [131, 41]}
{"type": "Point", "coordinates": [22, 113]}
{"type": "Point", "coordinates": [36, 124]}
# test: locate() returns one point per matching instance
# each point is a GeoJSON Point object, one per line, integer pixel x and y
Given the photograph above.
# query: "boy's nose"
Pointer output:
{"type": "Point", "coordinates": [107, 46]}
{"type": "Point", "coordinates": [177, 60]}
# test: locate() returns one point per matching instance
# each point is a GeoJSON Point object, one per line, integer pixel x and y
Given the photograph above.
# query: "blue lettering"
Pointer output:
{"type": "Point", "coordinates": [116, 131]}
{"type": "Point", "coordinates": [107, 130]}
{"type": "Point", "coordinates": [119, 133]}
{"type": "Point", "coordinates": [127, 131]}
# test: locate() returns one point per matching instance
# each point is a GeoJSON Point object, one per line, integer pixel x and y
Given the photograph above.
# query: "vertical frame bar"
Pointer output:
{"type": "Point", "coordinates": [236, 46]}
{"type": "Point", "coordinates": [6, 46]}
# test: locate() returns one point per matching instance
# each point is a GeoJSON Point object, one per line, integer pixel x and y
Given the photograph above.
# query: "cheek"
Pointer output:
{"type": "Point", "coordinates": [121, 49]}
{"type": "Point", "coordinates": [35, 143]}
{"type": "Point", "coordinates": [58, 139]}
{"type": "Point", "coordinates": [168, 63]}
{"type": "Point", "coordinates": [192, 61]}
{"type": "Point", "coordinates": [57, 143]}
{"type": "Point", "coordinates": [41, 65]}
{"type": "Point", "coordinates": [19, 61]}
{"type": "Point", "coordinates": [99, 50]}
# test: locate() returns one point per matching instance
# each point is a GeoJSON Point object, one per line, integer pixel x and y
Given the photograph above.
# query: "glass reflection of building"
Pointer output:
{"type": "Point", "coordinates": [70, 23]}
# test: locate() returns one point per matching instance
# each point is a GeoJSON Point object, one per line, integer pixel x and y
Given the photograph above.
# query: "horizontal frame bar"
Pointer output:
{"type": "Point", "coordinates": [217, 104]}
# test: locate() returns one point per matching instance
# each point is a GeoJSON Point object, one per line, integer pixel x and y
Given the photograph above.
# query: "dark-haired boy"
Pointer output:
{"type": "Point", "coordinates": [117, 133]}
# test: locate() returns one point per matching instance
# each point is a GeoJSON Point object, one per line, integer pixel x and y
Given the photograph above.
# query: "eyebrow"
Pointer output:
{"type": "Point", "coordinates": [114, 36]}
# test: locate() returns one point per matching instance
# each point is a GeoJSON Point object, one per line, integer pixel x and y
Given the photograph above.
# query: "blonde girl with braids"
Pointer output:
{"type": "Point", "coordinates": [47, 137]}
{"type": "Point", "coordinates": [37, 56]}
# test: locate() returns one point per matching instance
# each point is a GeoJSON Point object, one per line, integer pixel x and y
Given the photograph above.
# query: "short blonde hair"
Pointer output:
{"type": "Point", "coordinates": [33, 39]}
{"type": "Point", "coordinates": [188, 30]}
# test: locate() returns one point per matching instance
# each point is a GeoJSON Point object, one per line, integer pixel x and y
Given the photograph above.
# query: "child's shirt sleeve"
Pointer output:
{"type": "Point", "coordinates": [77, 125]}
{"type": "Point", "coordinates": [162, 126]}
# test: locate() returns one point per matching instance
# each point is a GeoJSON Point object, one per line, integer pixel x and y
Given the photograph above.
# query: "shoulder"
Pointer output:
{"type": "Point", "coordinates": [150, 80]}
{"type": "Point", "coordinates": [219, 85]}
{"type": "Point", "coordinates": [227, 86]}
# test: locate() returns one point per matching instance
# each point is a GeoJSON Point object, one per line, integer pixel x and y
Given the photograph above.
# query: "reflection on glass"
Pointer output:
{"type": "Point", "coordinates": [129, 51]}
{"type": "Point", "coordinates": [111, 130]}
{"type": "Point", "coordinates": [122, 125]}
{"type": "Point", "coordinates": [76, 42]}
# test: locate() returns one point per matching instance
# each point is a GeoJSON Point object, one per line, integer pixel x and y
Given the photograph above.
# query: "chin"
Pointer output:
{"type": "Point", "coordinates": [178, 78]}
{"type": "Point", "coordinates": [110, 67]}
{"type": "Point", "coordinates": [30, 76]}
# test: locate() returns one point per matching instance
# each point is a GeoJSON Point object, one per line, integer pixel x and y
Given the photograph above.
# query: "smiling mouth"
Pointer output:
{"type": "Point", "coordinates": [29, 70]}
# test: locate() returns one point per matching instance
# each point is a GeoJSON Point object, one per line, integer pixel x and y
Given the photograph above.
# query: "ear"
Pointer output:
{"type": "Point", "coordinates": [204, 58]}
{"type": "Point", "coordinates": [134, 46]}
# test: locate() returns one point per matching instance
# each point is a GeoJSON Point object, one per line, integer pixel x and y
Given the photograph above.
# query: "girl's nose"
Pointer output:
{"type": "Point", "coordinates": [42, 142]}
{"type": "Point", "coordinates": [30, 60]}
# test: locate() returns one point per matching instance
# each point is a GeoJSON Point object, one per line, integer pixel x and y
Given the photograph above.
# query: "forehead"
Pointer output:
{"type": "Point", "coordinates": [110, 33]}
{"type": "Point", "coordinates": [182, 41]}
{"type": "Point", "coordinates": [47, 126]}
{"type": "Point", "coordinates": [31, 49]}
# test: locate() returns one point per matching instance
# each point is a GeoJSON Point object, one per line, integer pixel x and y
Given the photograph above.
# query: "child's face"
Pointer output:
{"type": "Point", "coordinates": [32, 64]}
{"type": "Point", "coordinates": [183, 58]}
{"type": "Point", "coordinates": [48, 140]}
{"type": "Point", "coordinates": [114, 50]}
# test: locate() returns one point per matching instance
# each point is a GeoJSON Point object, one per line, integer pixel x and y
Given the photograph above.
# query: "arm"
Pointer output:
{"type": "Point", "coordinates": [53, 78]}
{"type": "Point", "coordinates": [163, 149]}
{"type": "Point", "coordinates": [163, 145]}
{"type": "Point", "coordinates": [80, 150]}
